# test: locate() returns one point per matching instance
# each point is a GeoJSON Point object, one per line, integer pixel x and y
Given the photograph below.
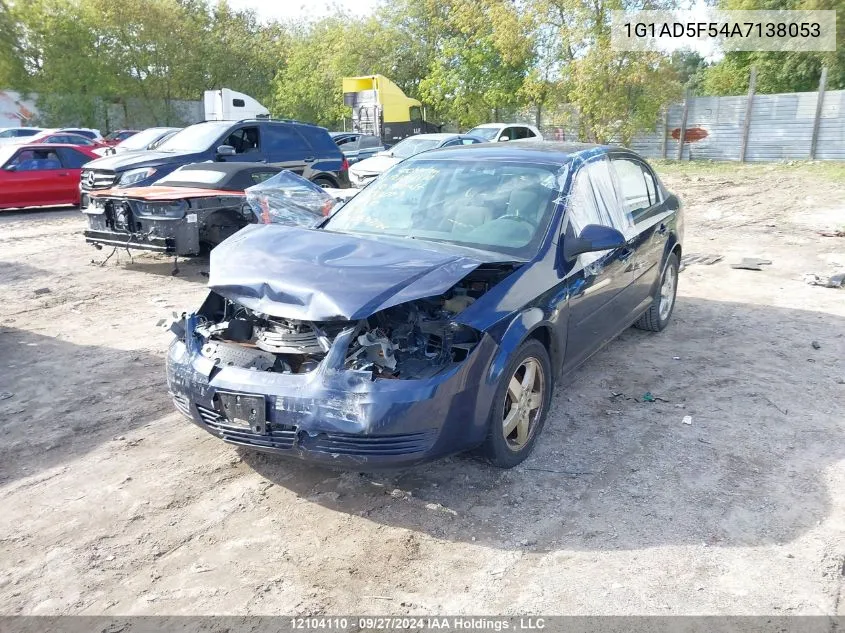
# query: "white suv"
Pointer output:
{"type": "Point", "coordinates": [493, 132]}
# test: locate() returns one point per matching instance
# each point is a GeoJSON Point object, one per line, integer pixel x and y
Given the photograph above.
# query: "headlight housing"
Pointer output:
{"type": "Point", "coordinates": [174, 209]}
{"type": "Point", "coordinates": [135, 175]}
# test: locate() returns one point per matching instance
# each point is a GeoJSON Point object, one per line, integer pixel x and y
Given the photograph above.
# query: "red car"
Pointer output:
{"type": "Point", "coordinates": [119, 135]}
{"type": "Point", "coordinates": [35, 175]}
{"type": "Point", "coordinates": [66, 138]}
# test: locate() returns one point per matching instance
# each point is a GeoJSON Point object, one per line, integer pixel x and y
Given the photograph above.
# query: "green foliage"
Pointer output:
{"type": "Point", "coordinates": [778, 71]}
{"type": "Point", "coordinates": [468, 61]}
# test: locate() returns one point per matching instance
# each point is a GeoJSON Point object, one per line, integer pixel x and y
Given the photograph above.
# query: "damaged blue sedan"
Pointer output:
{"type": "Point", "coordinates": [433, 312]}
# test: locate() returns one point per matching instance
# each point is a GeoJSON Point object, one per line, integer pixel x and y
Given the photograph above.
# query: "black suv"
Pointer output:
{"type": "Point", "coordinates": [302, 148]}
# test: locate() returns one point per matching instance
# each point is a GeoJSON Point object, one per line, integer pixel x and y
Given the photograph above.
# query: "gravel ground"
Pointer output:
{"type": "Point", "coordinates": [112, 503]}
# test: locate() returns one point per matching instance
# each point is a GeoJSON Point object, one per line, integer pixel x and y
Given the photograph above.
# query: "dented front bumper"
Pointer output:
{"type": "Point", "coordinates": [341, 417]}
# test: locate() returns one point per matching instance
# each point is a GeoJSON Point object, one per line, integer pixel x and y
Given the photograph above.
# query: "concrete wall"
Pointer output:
{"type": "Point", "coordinates": [781, 128]}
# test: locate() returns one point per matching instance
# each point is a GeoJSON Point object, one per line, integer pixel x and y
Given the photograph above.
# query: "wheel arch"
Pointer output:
{"type": "Point", "coordinates": [530, 324]}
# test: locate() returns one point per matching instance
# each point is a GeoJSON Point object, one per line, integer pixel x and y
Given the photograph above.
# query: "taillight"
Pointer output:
{"type": "Point", "coordinates": [344, 164]}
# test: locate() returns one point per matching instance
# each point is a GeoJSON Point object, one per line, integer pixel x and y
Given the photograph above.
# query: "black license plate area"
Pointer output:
{"type": "Point", "coordinates": [244, 410]}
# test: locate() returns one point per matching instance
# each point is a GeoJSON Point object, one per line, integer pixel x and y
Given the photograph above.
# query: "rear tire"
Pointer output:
{"type": "Point", "coordinates": [519, 407]}
{"type": "Point", "coordinates": [656, 318]}
{"type": "Point", "coordinates": [324, 182]}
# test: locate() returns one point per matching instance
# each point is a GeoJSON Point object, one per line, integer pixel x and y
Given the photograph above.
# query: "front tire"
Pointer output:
{"type": "Point", "coordinates": [520, 406]}
{"type": "Point", "coordinates": [656, 318]}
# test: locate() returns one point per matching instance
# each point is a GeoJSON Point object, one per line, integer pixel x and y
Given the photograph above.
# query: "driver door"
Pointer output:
{"type": "Point", "coordinates": [598, 280]}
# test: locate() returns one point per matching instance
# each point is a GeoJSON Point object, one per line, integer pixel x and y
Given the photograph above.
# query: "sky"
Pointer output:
{"type": "Point", "coordinates": [297, 9]}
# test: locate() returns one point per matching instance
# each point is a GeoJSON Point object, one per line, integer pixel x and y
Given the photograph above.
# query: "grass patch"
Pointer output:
{"type": "Point", "coordinates": [826, 170]}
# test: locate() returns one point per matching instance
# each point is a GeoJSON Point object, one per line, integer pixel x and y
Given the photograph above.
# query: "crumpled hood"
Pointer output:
{"type": "Point", "coordinates": [374, 165]}
{"type": "Point", "coordinates": [318, 275]}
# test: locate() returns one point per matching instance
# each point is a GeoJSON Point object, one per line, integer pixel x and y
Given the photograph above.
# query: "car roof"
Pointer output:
{"type": "Point", "coordinates": [540, 151]}
{"type": "Point", "coordinates": [48, 146]}
{"type": "Point", "coordinates": [504, 125]}
{"type": "Point", "coordinates": [435, 136]}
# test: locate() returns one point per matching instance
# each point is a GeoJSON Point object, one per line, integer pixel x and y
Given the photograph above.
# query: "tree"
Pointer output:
{"type": "Point", "coordinates": [794, 71]}
{"type": "Point", "coordinates": [616, 93]}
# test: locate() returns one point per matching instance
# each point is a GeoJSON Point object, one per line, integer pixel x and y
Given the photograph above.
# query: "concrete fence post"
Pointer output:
{"type": "Point", "coordinates": [683, 130]}
{"type": "Point", "coordinates": [746, 126]}
{"type": "Point", "coordinates": [665, 131]}
{"type": "Point", "coordinates": [818, 119]}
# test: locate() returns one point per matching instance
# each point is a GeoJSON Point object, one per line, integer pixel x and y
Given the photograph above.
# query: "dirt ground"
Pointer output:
{"type": "Point", "coordinates": [112, 503]}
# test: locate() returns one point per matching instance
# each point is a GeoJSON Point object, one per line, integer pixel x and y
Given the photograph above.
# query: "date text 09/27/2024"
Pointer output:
{"type": "Point", "coordinates": [386, 623]}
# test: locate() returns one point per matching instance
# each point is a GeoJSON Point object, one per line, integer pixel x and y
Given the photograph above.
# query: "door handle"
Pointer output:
{"type": "Point", "coordinates": [310, 159]}
{"type": "Point", "coordinates": [662, 229]}
{"type": "Point", "coordinates": [63, 173]}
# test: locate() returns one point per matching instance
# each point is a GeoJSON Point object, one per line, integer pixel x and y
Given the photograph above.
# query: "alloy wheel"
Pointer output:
{"type": "Point", "coordinates": [667, 292]}
{"type": "Point", "coordinates": [523, 403]}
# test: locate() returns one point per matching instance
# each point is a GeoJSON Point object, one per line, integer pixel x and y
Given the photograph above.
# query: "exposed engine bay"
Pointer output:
{"type": "Point", "coordinates": [412, 340]}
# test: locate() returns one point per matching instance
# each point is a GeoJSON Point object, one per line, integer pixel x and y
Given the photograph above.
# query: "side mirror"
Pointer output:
{"type": "Point", "coordinates": [225, 150]}
{"type": "Point", "coordinates": [672, 202]}
{"type": "Point", "coordinates": [502, 139]}
{"type": "Point", "coordinates": [11, 168]}
{"type": "Point", "coordinates": [594, 237]}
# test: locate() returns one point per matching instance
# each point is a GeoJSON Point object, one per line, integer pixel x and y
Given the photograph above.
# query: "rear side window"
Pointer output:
{"type": "Point", "coordinates": [71, 158]}
{"type": "Point", "coordinates": [350, 142]}
{"type": "Point", "coordinates": [260, 176]}
{"type": "Point", "coordinates": [368, 142]}
{"type": "Point", "coordinates": [637, 186]}
{"type": "Point", "coordinates": [319, 139]}
{"type": "Point", "coordinates": [284, 143]}
{"type": "Point", "coordinates": [20, 133]}
{"type": "Point", "coordinates": [527, 133]}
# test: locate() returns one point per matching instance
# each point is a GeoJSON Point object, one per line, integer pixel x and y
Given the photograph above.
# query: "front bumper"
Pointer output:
{"type": "Point", "coordinates": [172, 236]}
{"type": "Point", "coordinates": [339, 417]}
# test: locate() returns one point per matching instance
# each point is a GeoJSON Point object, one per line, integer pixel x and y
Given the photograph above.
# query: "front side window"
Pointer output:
{"type": "Point", "coordinates": [35, 160]}
{"type": "Point", "coordinates": [487, 133]}
{"type": "Point", "coordinates": [594, 200]}
{"type": "Point", "coordinates": [415, 113]}
{"type": "Point", "coordinates": [244, 140]}
{"type": "Point", "coordinates": [503, 207]}
{"type": "Point", "coordinates": [636, 184]}
{"type": "Point", "coordinates": [508, 134]}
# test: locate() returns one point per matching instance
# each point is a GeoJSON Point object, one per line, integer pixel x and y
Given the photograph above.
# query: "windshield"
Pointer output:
{"type": "Point", "coordinates": [492, 205]}
{"type": "Point", "coordinates": [196, 138]}
{"type": "Point", "coordinates": [141, 139]}
{"type": "Point", "coordinates": [487, 133]}
{"type": "Point", "coordinates": [411, 146]}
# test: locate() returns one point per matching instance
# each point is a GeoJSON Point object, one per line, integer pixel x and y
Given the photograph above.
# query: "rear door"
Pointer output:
{"type": "Point", "coordinates": [285, 147]}
{"type": "Point", "coordinates": [599, 281]}
{"type": "Point", "coordinates": [641, 198]}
